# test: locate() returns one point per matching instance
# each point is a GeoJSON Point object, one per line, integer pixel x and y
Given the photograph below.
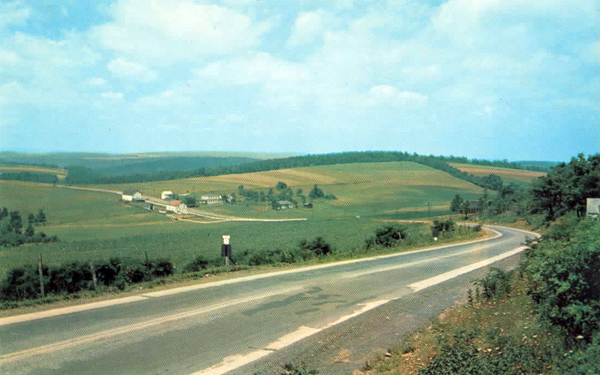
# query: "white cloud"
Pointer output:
{"type": "Point", "coordinates": [308, 27]}
{"type": "Point", "coordinates": [232, 119]}
{"type": "Point", "coordinates": [252, 69]}
{"type": "Point", "coordinates": [112, 95]}
{"type": "Point", "coordinates": [8, 57]}
{"type": "Point", "coordinates": [96, 81]}
{"type": "Point", "coordinates": [386, 94]}
{"type": "Point", "coordinates": [177, 30]}
{"type": "Point", "coordinates": [13, 13]}
{"type": "Point", "coordinates": [131, 70]}
{"type": "Point", "coordinates": [165, 98]}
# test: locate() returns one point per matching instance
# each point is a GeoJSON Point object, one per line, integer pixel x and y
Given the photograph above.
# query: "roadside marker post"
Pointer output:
{"type": "Point", "coordinates": [226, 249]}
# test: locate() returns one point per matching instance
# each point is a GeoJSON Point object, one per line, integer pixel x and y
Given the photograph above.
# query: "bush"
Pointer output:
{"type": "Point", "coordinates": [388, 236]}
{"type": "Point", "coordinates": [107, 273]}
{"type": "Point", "coordinates": [494, 284]}
{"type": "Point", "coordinates": [564, 280]}
{"type": "Point", "coordinates": [317, 247]}
{"type": "Point", "coordinates": [22, 283]}
{"type": "Point", "coordinates": [197, 265]}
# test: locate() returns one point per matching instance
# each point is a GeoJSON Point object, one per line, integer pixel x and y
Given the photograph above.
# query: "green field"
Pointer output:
{"type": "Point", "coordinates": [93, 225]}
{"type": "Point", "coordinates": [507, 174]}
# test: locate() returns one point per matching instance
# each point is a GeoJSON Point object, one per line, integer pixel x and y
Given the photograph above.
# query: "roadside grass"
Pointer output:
{"type": "Point", "coordinates": [499, 333]}
{"type": "Point", "coordinates": [418, 238]}
{"type": "Point", "coordinates": [507, 174]}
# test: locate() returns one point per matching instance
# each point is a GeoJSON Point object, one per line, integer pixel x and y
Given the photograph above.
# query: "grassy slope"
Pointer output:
{"type": "Point", "coordinates": [507, 174]}
{"type": "Point", "coordinates": [98, 225]}
{"type": "Point", "coordinates": [372, 189]}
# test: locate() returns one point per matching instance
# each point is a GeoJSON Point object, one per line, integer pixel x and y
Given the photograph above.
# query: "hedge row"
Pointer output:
{"type": "Point", "coordinates": [24, 282]}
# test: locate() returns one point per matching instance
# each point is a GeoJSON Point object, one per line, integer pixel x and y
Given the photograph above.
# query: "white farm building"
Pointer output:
{"type": "Point", "coordinates": [211, 199]}
{"type": "Point", "coordinates": [132, 196]}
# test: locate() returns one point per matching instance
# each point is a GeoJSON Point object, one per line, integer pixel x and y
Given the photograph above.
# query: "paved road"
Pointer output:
{"type": "Point", "coordinates": [213, 329]}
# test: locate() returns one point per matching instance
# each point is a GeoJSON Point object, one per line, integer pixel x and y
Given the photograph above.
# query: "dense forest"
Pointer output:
{"type": "Point", "coordinates": [82, 175]}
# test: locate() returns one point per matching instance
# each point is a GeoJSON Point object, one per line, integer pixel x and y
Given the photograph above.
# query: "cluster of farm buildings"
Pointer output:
{"type": "Point", "coordinates": [168, 201]}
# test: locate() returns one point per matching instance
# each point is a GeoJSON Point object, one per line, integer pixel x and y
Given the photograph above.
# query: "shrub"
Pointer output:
{"type": "Point", "coordinates": [388, 236]}
{"type": "Point", "coordinates": [162, 268]}
{"type": "Point", "coordinates": [107, 273]}
{"type": "Point", "coordinates": [197, 265]}
{"type": "Point", "coordinates": [564, 280]}
{"type": "Point", "coordinates": [318, 247]}
{"type": "Point", "coordinates": [494, 284]}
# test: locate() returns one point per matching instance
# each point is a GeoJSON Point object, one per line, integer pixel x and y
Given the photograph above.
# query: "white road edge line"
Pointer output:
{"type": "Point", "coordinates": [44, 349]}
{"type": "Point", "coordinates": [420, 285]}
{"type": "Point", "coordinates": [235, 361]}
{"type": "Point", "coordinates": [124, 300]}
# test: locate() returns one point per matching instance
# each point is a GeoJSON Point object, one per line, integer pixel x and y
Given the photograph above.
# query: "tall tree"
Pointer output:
{"type": "Point", "coordinates": [456, 204]}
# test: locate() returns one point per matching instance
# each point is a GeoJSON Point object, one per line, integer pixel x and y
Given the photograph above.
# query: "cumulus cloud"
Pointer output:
{"type": "Point", "coordinates": [112, 95]}
{"type": "Point", "coordinates": [8, 57]}
{"type": "Point", "coordinates": [165, 98]}
{"type": "Point", "coordinates": [131, 70]}
{"type": "Point", "coordinates": [96, 81]}
{"type": "Point", "coordinates": [386, 94]}
{"type": "Point", "coordinates": [177, 30]}
{"type": "Point", "coordinates": [252, 69]}
{"type": "Point", "coordinates": [14, 14]}
{"type": "Point", "coordinates": [308, 27]}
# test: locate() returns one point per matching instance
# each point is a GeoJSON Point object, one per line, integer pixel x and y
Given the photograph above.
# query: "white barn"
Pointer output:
{"type": "Point", "coordinates": [166, 195]}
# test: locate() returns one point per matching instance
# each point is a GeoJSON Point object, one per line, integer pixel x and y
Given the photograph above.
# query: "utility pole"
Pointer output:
{"type": "Point", "coordinates": [41, 274]}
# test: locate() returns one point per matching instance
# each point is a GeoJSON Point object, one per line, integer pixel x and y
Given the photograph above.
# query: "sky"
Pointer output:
{"type": "Point", "coordinates": [492, 79]}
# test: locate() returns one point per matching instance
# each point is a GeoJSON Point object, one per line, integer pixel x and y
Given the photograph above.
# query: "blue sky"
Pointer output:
{"type": "Point", "coordinates": [494, 79]}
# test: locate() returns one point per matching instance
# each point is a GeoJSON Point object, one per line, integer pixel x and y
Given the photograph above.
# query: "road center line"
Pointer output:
{"type": "Point", "coordinates": [11, 357]}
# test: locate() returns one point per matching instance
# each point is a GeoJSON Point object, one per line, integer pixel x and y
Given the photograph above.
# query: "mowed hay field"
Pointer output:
{"type": "Point", "coordinates": [507, 174]}
{"type": "Point", "coordinates": [93, 225]}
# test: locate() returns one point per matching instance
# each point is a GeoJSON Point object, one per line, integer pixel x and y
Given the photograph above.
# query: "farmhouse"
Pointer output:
{"type": "Point", "coordinates": [211, 199]}
{"type": "Point", "coordinates": [166, 195]}
{"type": "Point", "coordinates": [132, 196]}
{"type": "Point", "coordinates": [593, 207]}
{"type": "Point", "coordinates": [177, 207]}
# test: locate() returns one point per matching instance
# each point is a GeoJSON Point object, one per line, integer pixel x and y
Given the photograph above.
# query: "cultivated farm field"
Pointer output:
{"type": "Point", "coordinates": [97, 226]}
{"type": "Point", "coordinates": [507, 174]}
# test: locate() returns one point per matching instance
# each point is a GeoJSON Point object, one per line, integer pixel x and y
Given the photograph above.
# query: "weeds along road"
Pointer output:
{"type": "Point", "coordinates": [216, 328]}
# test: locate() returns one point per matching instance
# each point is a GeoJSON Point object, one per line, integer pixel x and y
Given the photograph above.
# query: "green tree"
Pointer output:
{"type": "Point", "coordinates": [29, 232]}
{"type": "Point", "coordinates": [316, 192]}
{"type": "Point", "coordinates": [456, 204]}
{"type": "Point", "coordinates": [281, 186]}
{"type": "Point", "coordinates": [465, 207]}
{"type": "Point", "coordinates": [41, 217]}
{"type": "Point", "coordinates": [190, 201]}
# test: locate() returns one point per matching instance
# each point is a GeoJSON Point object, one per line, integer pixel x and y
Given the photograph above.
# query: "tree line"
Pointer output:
{"type": "Point", "coordinates": [82, 175]}
{"type": "Point", "coordinates": [47, 178]}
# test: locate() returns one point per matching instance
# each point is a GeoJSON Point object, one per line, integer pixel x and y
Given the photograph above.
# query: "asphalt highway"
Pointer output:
{"type": "Point", "coordinates": [219, 327]}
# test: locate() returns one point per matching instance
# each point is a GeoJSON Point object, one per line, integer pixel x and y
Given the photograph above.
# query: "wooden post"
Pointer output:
{"type": "Point", "coordinates": [94, 280]}
{"type": "Point", "coordinates": [41, 274]}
